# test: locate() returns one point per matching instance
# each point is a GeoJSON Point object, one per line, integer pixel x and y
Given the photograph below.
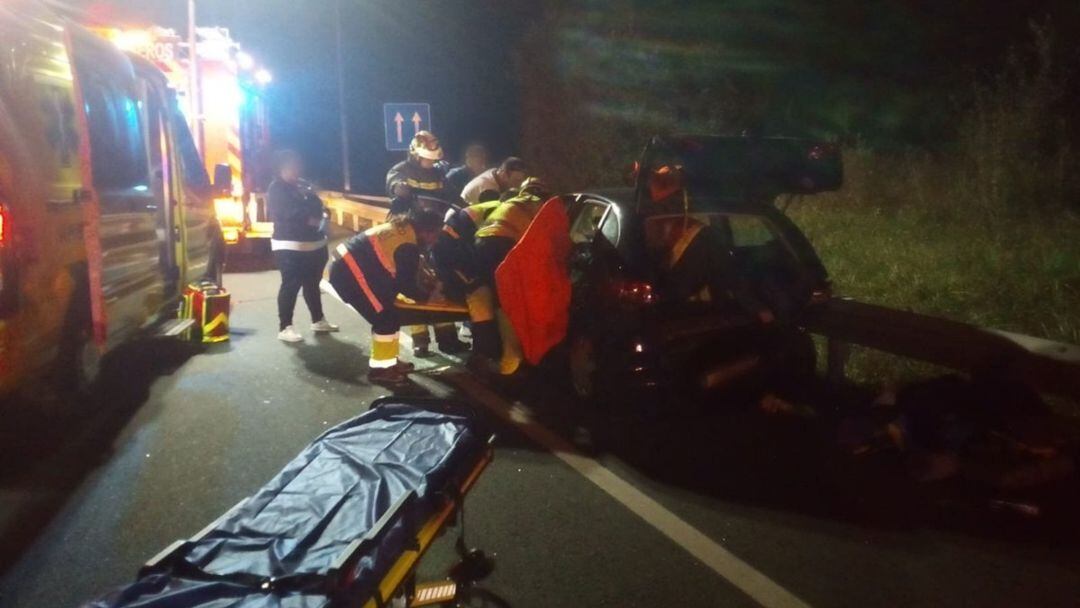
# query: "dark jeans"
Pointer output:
{"type": "Point", "coordinates": [300, 270]}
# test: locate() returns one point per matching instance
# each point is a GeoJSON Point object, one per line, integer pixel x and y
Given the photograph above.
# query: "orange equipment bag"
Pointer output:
{"type": "Point", "coordinates": [534, 282]}
{"type": "Point", "coordinates": [208, 304]}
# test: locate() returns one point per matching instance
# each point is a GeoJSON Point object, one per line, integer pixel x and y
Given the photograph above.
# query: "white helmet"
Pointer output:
{"type": "Point", "coordinates": [425, 145]}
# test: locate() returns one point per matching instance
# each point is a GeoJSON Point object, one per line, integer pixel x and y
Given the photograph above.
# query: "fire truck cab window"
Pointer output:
{"type": "Point", "coordinates": [119, 156]}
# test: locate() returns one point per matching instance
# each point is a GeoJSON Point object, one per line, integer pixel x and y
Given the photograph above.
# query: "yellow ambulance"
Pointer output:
{"type": "Point", "coordinates": [106, 209]}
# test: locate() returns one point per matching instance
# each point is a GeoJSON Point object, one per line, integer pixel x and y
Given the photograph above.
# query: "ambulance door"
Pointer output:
{"type": "Point", "coordinates": [124, 243]}
{"type": "Point", "coordinates": [195, 212]}
{"type": "Point", "coordinates": [163, 183]}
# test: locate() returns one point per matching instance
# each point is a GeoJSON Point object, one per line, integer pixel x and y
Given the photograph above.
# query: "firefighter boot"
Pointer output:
{"type": "Point", "coordinates": [421, 340]}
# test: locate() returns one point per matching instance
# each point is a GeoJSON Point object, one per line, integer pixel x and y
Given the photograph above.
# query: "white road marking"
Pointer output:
{"type": "Point", "coordinates": [742, 575]}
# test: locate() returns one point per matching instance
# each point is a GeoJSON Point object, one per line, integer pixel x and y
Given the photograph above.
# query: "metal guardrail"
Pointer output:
{"type": "Point", "coordinates": [1044, 365]}
{"type": "Point", "coordinates": [355, 211]}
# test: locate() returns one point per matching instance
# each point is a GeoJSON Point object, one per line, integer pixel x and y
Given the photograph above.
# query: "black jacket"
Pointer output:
{"type": "Point", "coordinates": [422, 182]}
{"type": "Point", "coordinates": [291, 208]}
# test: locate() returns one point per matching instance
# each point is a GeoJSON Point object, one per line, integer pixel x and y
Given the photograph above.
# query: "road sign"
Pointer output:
{"type": "Point", "coordinates": [402, 121]}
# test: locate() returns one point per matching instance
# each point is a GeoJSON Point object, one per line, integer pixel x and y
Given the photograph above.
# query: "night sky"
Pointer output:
{"type": "Point", "coordinates": [396, 50]}
{"type": "Point", "coordinates": [890, 74]}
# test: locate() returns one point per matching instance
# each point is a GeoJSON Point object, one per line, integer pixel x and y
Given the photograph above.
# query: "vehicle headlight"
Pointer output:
{"type": "Point", "coordinates": [229, 211]}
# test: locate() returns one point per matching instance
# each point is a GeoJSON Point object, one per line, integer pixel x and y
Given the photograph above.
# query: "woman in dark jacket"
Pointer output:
{"type": "Point", "coordinates": [299, 245]}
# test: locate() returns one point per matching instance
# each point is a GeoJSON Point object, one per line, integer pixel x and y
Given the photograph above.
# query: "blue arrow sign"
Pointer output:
{"type": "Point", "coordinates": [402, 121]}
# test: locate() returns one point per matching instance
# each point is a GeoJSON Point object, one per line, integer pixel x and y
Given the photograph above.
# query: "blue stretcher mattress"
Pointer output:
{"type": "Point", "coordinates": [283, 546]}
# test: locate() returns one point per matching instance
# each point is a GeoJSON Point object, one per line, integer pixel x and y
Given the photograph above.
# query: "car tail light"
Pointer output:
{"type": "Point", "coordinates": [6, 274]}
{"type": "Point", "coordinates": [635, 292]}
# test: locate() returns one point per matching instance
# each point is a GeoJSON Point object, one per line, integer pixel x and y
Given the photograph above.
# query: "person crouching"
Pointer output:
{"type": "Point", "coordinates": [371, 269]}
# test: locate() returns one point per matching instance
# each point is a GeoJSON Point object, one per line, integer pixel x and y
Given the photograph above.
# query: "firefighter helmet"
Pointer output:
{"type": "Point", "coordinates": [665, 182]}
{"type": "Point", "coordinates": [425, 145]}
{"type": "Point", "coordinates": [536, 187]}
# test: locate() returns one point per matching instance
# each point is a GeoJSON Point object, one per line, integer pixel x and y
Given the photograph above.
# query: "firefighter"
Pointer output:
{"type": "Point", "coordinates": [695, 263]}
{"type": "Point", "coordinates": [423, 174]}
{"type": "Point", "coordinates": [456, 267]}
{"type": "Point", "coordinates": [504, 227]}
{"type": "Point", "coordinates": [371, 269]}
{"type": "Point", "coordinates": [506, 224]}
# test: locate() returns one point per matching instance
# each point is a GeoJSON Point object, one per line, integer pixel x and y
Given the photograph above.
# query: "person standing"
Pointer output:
{"type": "Point", "coordinates": [475, 162]}
{"type": "Point", "coordinates": [507, 176]}
{"type": "Point", "coordinates": [298, 243]}
{"type": "Point", "coordinates": [371, 269]}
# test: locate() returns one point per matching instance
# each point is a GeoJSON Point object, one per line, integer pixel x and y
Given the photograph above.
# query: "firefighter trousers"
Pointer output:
{"type": "Point", "coordinates": [379, 312]}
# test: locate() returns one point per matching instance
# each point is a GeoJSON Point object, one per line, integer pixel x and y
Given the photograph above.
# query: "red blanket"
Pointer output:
{"type": "Point", "coordinates": [534, 282]}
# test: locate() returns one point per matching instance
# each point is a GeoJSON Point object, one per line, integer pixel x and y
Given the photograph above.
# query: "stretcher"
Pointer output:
{"type": "Point", "coordinates": [430, 312]}
{"type": "Point", "coordinates": [344, 524]}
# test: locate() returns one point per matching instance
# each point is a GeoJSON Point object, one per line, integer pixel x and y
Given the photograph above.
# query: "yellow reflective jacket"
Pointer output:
{"type": "Point", "coordinates": [511, 218]}
{"type": "Point", "coordinates": [386, 239]}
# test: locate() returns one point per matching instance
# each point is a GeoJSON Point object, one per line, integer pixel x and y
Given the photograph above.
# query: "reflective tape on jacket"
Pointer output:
{"type": "Point", "coordinates": [358, 276]}
{"type": "Point", "coordinates": [385, 240]}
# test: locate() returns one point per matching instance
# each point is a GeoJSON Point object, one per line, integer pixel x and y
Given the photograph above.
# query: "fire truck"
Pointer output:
{"type": "Point", "coordinates": [222, 99]}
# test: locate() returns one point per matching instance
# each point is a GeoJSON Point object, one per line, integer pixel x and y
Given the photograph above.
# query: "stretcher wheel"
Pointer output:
{"type": "Point", "coordinates": [475, 565]}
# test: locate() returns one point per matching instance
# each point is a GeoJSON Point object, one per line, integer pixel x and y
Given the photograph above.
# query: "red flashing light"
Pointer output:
{"type": "Point", "coordinates": [3, 224]}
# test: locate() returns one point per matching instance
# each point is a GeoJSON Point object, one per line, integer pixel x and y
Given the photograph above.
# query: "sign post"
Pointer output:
{"type": "Point", "coordinates": [402, 121]}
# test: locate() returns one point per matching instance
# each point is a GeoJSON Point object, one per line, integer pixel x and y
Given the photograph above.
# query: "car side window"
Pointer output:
{"type": "Point", "coordinates": [750, 231]}
{"type": "Point", "coordinates": [609, 227]}
{"type": "Point", "coordinates": [587, 222]}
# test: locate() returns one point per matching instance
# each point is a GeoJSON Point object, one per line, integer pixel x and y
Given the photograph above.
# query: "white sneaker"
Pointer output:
{"type": "Point", "coordinates": [324, 327]}
{"type": "Point", "coordinates": [290, 335]}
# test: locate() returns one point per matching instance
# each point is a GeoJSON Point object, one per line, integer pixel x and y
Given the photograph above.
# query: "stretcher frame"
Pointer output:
{"type": "Point", "coordinates": [430, 313]}
{"type": "Point", "coordinates": [337, 580]}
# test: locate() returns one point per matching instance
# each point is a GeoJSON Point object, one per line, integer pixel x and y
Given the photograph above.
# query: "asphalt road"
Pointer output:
{"type": "Point", "coordinates": [581, 508]}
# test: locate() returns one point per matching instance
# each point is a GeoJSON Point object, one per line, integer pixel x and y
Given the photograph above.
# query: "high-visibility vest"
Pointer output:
{"type": "Point", "coordinates": [480, 212]}
{"type": "Point", "coordinates": [465, 223]}
{"type": "Point", "coordinates": [385, 240]}
{"type": "Point", "coordinates": [511, 218]}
